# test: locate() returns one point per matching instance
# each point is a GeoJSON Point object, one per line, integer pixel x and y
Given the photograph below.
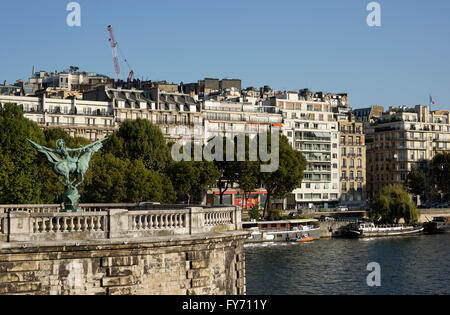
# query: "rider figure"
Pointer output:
{"type": "Point", "coordinates": [63, 151]}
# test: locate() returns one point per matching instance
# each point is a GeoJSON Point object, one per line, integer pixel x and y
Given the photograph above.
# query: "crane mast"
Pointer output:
{"type": "Point", "coordinates": [114, 50]}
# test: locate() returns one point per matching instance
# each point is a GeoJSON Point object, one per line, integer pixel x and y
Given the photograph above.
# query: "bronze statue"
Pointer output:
{"type": "Point", "coordinates": [64, 165]}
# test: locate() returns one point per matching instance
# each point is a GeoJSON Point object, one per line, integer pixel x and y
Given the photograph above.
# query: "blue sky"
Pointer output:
{"type": "Point", "coordinates": [288, 44]}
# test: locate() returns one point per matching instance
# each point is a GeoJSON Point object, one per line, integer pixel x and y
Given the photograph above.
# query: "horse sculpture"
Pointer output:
{"type": "Point", "coordinates": [64, 165]}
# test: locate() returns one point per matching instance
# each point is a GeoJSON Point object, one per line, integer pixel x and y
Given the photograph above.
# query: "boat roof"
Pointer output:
{"type": "Point", "coordinates": [283, 222]}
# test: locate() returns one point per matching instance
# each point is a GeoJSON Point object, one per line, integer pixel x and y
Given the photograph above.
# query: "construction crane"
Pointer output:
{"type": "Point", "coordinates": [114, 46]}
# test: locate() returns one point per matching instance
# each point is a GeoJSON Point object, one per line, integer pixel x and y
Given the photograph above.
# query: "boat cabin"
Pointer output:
{"type": "Point", "coordinates": [276, 226]}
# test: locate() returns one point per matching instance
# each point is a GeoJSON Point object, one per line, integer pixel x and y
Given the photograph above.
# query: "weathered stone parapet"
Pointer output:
{"type": "Point", "coordinates": [211, 263]}
{"type": "Point", "coordinates": [27, 226]}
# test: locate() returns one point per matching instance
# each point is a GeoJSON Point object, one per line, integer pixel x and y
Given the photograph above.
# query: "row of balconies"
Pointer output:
{"type": "Point", "coordinates": [358, 179]}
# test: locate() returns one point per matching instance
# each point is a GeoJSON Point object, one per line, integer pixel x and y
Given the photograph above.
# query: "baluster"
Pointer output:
{"type": "Point", "coordinates": [144, 222]}
{"type": "Point", "coordinates": [138, 223]}
{"type": "Point", "coordinates": [133, 223]}
{"type": "Point", "coordinates": [57, 225]}
{"type": "Point", "coordinates": [176, 220]}
{"type": "Point", "coordinates": [34, 225]}
{"type": "Point", "coordinates": [50, 225]}
{"type": "Point", "coordinates": [147, 222]}
{"type": "Point", "coordinates": [97, 224]}
{"type": "Point", "coordinates": [150, 224]}
{"type": "Point", "coordinates": [78, 225]}
{"type": "Point", "coordinates": [64, 225]}
{"type": "Point", "coordinates": [72, 225]}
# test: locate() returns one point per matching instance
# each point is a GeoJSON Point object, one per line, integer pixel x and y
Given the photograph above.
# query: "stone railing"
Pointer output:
{"type": "Point", "coordinates": [87, 207]}
{"type": "Point", "coordinates": [27, 226]}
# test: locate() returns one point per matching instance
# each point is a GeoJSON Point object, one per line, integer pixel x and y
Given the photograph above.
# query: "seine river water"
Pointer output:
{"type": "Point", "coordinates": [409, 265]}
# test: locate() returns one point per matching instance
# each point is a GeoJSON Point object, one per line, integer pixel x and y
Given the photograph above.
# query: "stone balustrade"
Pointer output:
{"type": "Point", "coordinates": [22, 224]}
{"type": "Point", "coordinates": [55, 207]}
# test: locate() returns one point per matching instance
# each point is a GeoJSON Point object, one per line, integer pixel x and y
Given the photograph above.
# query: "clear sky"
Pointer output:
{"type": "Point", "coordinates": [288, 44]}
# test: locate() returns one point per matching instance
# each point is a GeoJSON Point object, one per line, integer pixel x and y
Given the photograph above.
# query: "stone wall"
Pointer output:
{"type": "Point", "coordinates": [174, 265]}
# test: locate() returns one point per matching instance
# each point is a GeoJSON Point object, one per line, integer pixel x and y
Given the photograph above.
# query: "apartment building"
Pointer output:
{"type": "Point", "coordinates": [178, 115]}
{"type": "Point", "coordinates": [70, 80]}
{"type": "Point", "coordinates": [353, 162]}
{"type": "Point", "coordinates": [311, 128]}
{"type": "Point", "coordinates": [79, 118]}
{"type": "Point", "coordinates": [403, 139]}
{"type": "Point", "coordinates": [234, 118]}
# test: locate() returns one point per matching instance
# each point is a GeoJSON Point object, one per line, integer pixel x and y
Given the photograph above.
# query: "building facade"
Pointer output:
{"type": "Point", "coordinates": [311, 128]}
{"type": "Point", "coordinates": [401, 140]}
{"type": "Point", "coordinates": [353, 162]}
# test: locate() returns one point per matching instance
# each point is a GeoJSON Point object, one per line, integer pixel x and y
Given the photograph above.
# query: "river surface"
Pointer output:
{"type": "Point", "coordinates": [409, 265]}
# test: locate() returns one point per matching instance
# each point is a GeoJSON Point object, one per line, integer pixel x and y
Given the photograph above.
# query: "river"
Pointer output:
{"type": "Point", "coordinates": [409, 265]}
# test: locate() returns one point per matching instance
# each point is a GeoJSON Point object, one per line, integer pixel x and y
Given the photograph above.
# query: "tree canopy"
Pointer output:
{"type": "Point", "coordinates": [19, 162]}
{"type": "Point", "coordinates": [286, 178]}
{"type": "Point", "coordinates": [140, 140]}
{"type": "Point", "coordinates": [416, 182]}
{"type": "Point", "coordinates": [441, 173]}
{"type": "Point", "coordinates": [392, 205]}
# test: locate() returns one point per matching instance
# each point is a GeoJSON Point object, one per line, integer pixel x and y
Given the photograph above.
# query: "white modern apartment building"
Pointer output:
{"type": "Point", "coordinates": [233, 118]}
{"type": "Point", "coordinates": [312, 129]}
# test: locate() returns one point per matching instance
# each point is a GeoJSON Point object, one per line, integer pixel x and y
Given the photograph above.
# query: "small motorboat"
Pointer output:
{"type": "Point", "coordinates": [303, 239]}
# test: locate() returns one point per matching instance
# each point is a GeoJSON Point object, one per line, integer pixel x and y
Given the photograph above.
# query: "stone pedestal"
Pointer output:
{"type": "Point", "coordinates": [71, 199]}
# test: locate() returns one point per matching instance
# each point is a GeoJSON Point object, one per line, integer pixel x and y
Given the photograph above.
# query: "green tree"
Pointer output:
{"type": "Point", "coordinates": [140, 140]}
{"type": "Point", "coordinates": [190, 179]}
{"type": "Point", "coordinates": [106, 180]}
{"type": "Point", "coordinates": [392, 205]}
{"type": "Point", "coordinates": [416, 183]}
{"type": "Point", "coordinates": [248, 178]}
{"type": "Point", "coordinates": [441, 173]}
{"type": "Point", "coordinates": [255, 212]}
{"type": "Point", "coordinates": [19, 162]}
{"type": "Point", "coordinates": [286, 178]}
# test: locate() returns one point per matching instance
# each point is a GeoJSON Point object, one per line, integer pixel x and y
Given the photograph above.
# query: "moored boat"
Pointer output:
{"type": "Point", "coordinates": [281, 231]}
{"type": "Point", "coordinates": [368, 229]}
{"type": "Point", "coordinates": [438, 225]}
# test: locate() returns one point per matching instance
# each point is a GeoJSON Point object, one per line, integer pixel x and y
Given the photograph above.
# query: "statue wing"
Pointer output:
{"type": "Point", "coordinates": [49, 153]}
{"type": "Point", "coordinates": [92, 148]}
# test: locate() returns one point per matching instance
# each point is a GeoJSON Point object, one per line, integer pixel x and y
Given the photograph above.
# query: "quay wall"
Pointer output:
{"type": "Point", "coordinates": [428, 215]}
{"type": "Point", "coordinates": [331, 228]}
{"type": "Point", "coordinates": [195, 265]}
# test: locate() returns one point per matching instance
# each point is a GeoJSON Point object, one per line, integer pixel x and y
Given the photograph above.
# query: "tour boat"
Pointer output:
{"type": "Point", "coordinates": [281, 231]}
{"type": "Point", "coordinates": [367, 229]}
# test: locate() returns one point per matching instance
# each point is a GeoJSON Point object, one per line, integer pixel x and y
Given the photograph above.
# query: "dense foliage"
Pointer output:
{"type": "Point", "coordinates": [416, 183]}
{"type": "Point", "coordinates": [392, 205]}
{"type": "Point", "coordinates": [441, 173]}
